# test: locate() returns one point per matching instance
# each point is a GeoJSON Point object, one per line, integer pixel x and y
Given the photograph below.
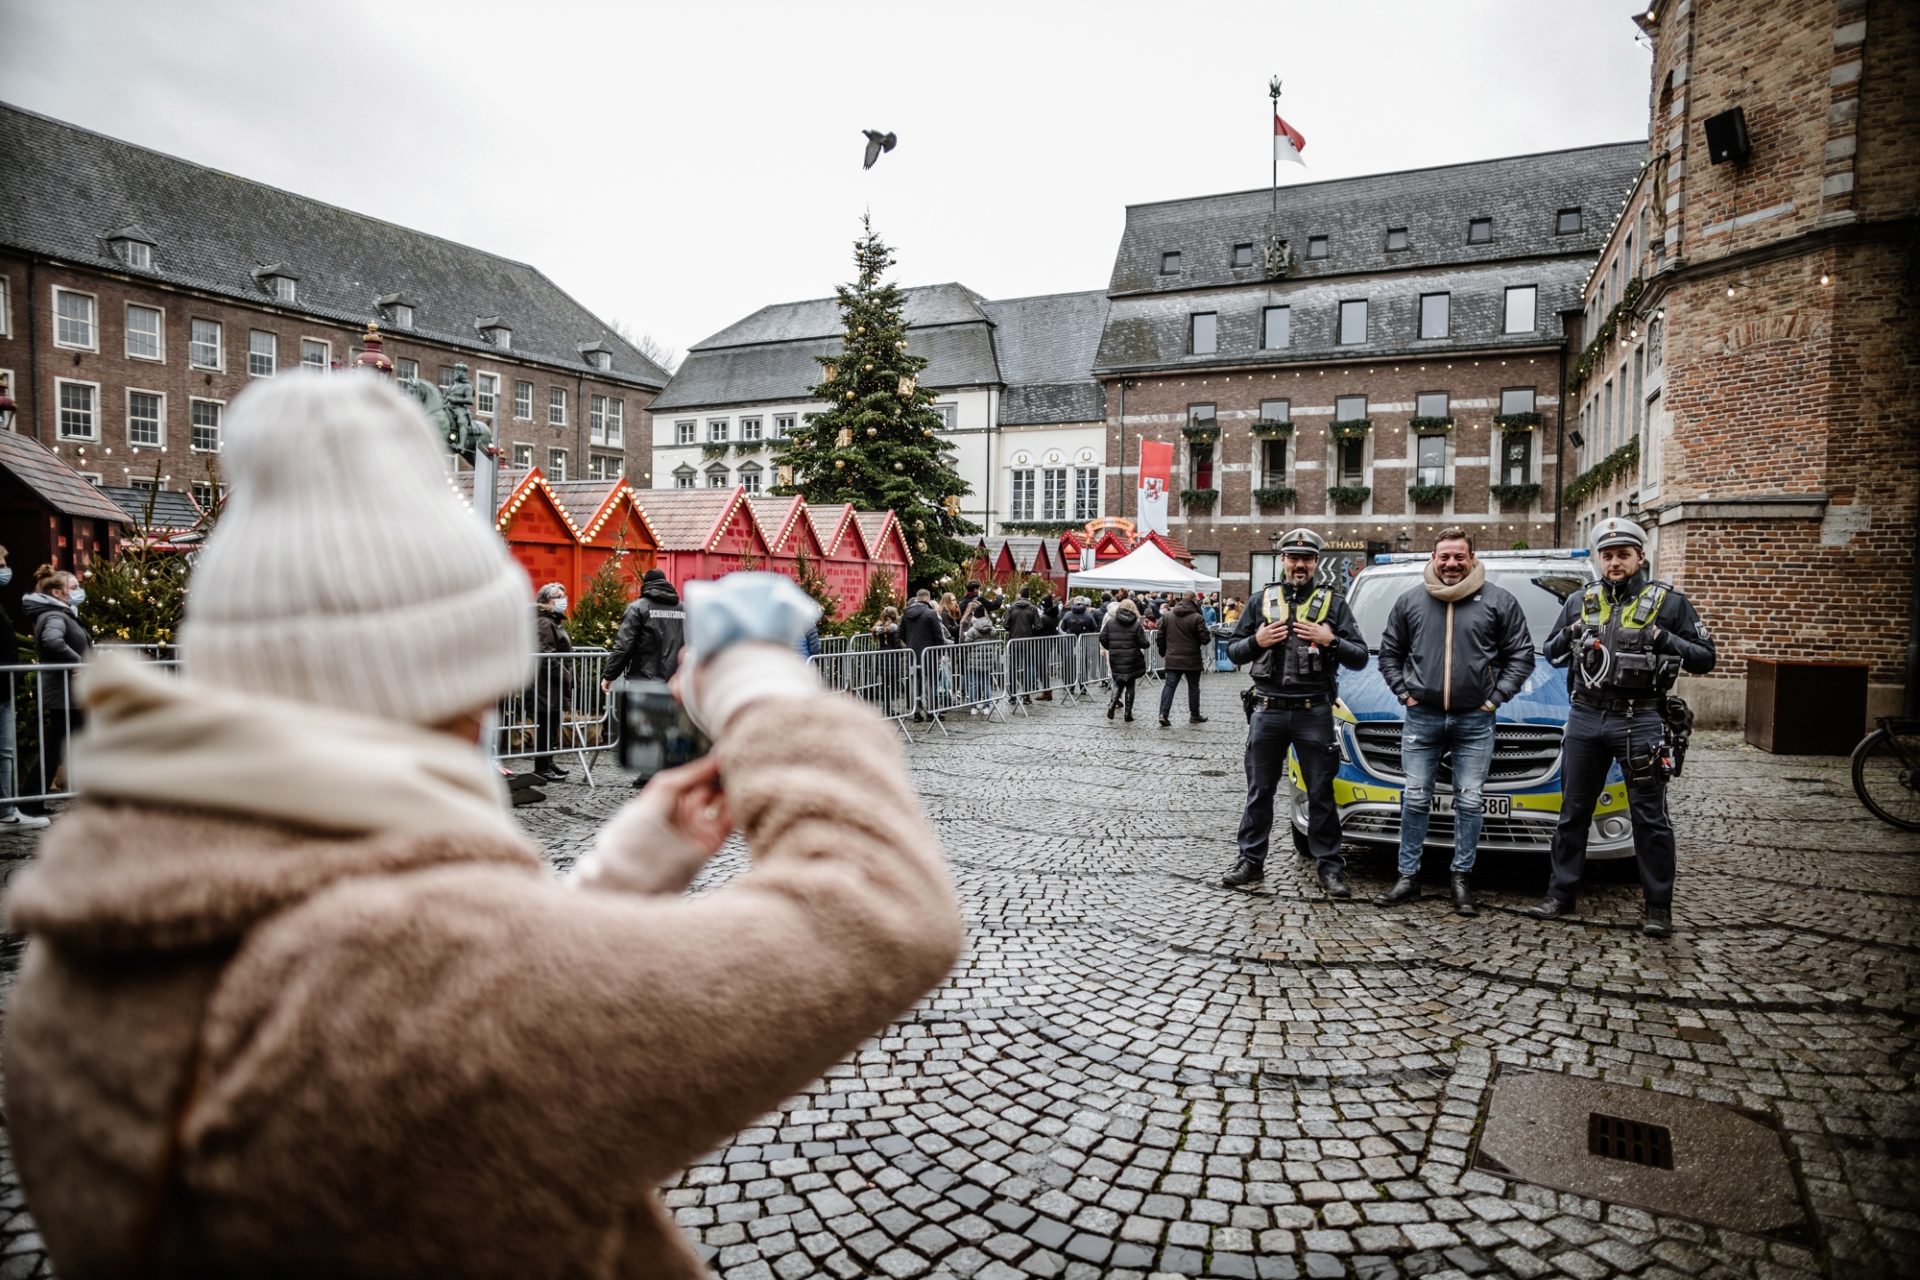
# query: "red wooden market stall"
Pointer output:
{"type": "Point", "coordinates": [847, 565]}
{"type": "Point", "coordinates": [612, 527]}
{"type": "Point", "coordinates": [49, 514]}
{"type": "Point", "coordinates": [886, 546]}
{"type": "Point", "coordinates": [790, 535]}
{"type": "Point", "coordinates": [538, 530]}
{"type": "Point", "coordinates": [704, 533]}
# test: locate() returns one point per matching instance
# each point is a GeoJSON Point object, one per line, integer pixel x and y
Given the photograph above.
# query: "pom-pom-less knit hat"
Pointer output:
{"type": "Point", "coordinates": [343, 570]}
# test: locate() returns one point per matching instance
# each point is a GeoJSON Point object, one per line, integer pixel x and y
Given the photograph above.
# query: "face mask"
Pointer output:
{"type": "Point", "coordinates": [77, 597]}
{"type": "Point", "coordinates": [559, 603]}
{"type": "Point", "coordinates": [6, 575]}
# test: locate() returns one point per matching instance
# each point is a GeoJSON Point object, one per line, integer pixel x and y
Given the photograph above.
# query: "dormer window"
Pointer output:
{"type": "Point", "coordinates": [495, 332]}
{"type": "Point", "coordinates": [396, 310]}
{"type": "Point", "coordinates": [1479, 230]}
{"type": "Point", "coordinates": [1316, 246]}
{"type": "Point", "coordinates": [1170, 263]}
{"type": "Point", "coordinates": [1243, 255]}
{"type": "Point", "coordinates": [280, 281]}
{"type": "Point", "coordinates": [402, 316]}
{"type": "Point", "coordinates": [597, 354]}
{"type": "Point", "coordinates": [603, 359]}
{"type": "Point", "coordinates": [1396, 239]}
{"type": "Point", "coordinates": [1567, 222]}
{"type": "Point", "coordinates": [132, 246]}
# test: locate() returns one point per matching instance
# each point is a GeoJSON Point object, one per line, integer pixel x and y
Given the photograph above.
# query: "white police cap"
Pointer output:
{"type": "Point", "coordinates": [1301, 542]}
{"type": "Point", "coordinates": [1616, 532]}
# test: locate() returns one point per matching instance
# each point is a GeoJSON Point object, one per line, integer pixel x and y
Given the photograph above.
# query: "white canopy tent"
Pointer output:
{"type": "Point", "coordinates": [1145, 568]}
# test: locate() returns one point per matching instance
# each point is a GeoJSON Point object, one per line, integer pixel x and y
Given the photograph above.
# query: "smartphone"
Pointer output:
{"type": "Point", "coordinates": [655, 730]}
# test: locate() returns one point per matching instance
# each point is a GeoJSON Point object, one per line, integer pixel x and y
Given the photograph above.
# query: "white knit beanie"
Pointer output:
{"type": "Point", "coordinates": [343, 570]}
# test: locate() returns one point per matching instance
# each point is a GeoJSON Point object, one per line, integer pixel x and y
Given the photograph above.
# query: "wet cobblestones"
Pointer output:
{"type": "Point", "coordinates": [1133, 1072]}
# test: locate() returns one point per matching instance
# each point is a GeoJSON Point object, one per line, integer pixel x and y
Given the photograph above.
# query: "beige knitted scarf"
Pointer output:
{"type": "Point", "coordinates": [1476, 578]}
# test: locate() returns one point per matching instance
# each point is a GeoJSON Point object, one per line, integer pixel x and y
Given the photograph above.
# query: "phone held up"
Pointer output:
{"type": "Point", "coordinates": [656, 732]}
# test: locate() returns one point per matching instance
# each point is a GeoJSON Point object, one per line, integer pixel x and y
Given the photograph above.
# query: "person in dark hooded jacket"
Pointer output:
{"type": "Point", "coordinates": [922, 629]}
{"type": "Point", "coordinates": [651, 633]}
{"type": "Point", "coordinates": [1079, 620]}
{"type": "Point", "coordinates": [1182, 638]}
{"type": "Point", "coordinates": [1125, 643]}
{"type": "Point", "coordinates": [53, 613]}
{"type": "Point", "coordinates": [1023, 623]}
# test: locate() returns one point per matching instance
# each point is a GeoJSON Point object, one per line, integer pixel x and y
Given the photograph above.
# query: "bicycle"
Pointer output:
{"type": "Point", "coordinates": [1886, 772]}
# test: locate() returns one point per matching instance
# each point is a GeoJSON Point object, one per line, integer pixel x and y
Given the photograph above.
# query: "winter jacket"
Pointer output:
{"type": "Point", "coordinates": [886, 636]}
{"type": "Point", "coordinates": [1023, 620]}
{"type": "Point", "coordinates": [979, 628]}
{"type": "Point", "coordinates": [57, 637]}
{"type": "Point", "coordinates": [1183, 636]}
{"type": "Point", "coordinates": [921, 628]}
{"type": "Point", "coordinates": [1125, 641]}
{"type": "Point", "coordinates": [1079, 621]}
{"type": "Point", "coordinates": [554, 679]}
{"type": "Point", "coordinates": [1049, 617]}
{"type": "Point", "coordinates": [1297, 666]}
{"type": "Point", "coordinates": [1458, 654]}
{"type": "Point", "coordinates": [406, 1050]}
{"type": "Point", "coordinates": [651, 633]}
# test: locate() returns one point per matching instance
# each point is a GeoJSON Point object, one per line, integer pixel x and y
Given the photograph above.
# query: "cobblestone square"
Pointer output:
{"type": "Point", "coordinates": [1132, 1071]}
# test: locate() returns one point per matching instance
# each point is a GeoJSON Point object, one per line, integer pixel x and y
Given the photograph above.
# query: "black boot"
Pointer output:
{"type": "Point", "coordinates": [1244, 875]}
{"type": "Point", "coordinates": [1463, 895]}
{"type": "Point", "coordinates": [1550, 909]}
{"type": "Point", "coordinates": [1111, 707]}
{"type": "Point", "coordinates": [1405, 889]}
{"type": "Point", "coordinates": [1196, 719]}
{"type": "Point", "coordinates": [1334, 881]}
{"type": "Point", "coordinates": [1659, 923]}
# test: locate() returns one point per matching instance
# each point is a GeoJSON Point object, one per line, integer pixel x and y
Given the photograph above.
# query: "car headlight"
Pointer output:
{"type": "Point", "coordinates": [1340, 733]}
{"type": "Point", "coordinates": [1615, 827]}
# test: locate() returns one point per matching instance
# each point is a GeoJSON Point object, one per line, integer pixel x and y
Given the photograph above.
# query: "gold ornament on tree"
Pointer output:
{"type": "Point", "coordinates": [839, 463]}
{"type": "Point", "coordinates": [872, 432]}
{"type": "Point", "coordinates": [869, 366]}
{"type": "Point", "coordinates": [832, 371]}
{"type": "Point", "coordinates": [849, 395]}
{"type": "Point", "coordinates": [907, 384]}
{"type": "Point", "coordinates": [898, 467]}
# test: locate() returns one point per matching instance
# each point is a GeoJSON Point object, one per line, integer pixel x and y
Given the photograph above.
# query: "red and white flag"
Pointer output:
{"type": "Point", "coordinates": [1288, 142]}
{"type": "Point", "coordinates": [1156, 473]}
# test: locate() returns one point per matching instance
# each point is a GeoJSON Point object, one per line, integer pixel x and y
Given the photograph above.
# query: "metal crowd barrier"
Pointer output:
{"type": "Point", "coordinates": [962, 677]}
{"type": "Point", "coordinates": [39, 714]}
{"type": "Point", "coordinates": [562, 712]}
{"type": "Point", "coordinates": [884, 679]}
{"type": "Point", "coordinates": [1043, 664]}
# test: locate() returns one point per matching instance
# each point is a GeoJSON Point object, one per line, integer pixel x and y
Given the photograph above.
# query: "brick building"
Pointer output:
{"type": "Point", "coordinates": [1745, 358]}
{"type": "Point", "coordinates": [1418, 308]}
{"type": "Point", "coordinates": [139, 293]}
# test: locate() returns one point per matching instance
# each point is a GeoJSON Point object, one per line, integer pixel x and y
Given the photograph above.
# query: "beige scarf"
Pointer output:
{"type": "Point", "coordinates": [1476, 578]}
{"type": "Point", "coordinates": [161, 739]}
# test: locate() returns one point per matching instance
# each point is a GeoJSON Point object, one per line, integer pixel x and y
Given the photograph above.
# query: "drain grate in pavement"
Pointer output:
{"type": "Point", "coordinates": [1629, 1140]}
{"type": "Point", "coordinates": [1213, 773]}
{"type": "Point", "coordinates": [1657, 1151]}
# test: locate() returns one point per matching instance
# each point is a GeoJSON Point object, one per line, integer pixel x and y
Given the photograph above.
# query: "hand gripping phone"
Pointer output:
{"type": "Point", "coordinates": [655, 730]}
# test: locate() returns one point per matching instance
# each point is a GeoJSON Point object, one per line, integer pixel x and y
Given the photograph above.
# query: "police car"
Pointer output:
{"type": "Point", "coordinates": [1522, 791]}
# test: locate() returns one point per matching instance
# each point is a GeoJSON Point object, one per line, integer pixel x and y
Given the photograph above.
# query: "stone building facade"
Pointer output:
{"type": "Point", "coordinates": [139, 293]}
{"type": "Point", "coordinates": [1764, 370]}
{"type": "Point", "coordinates": [1401, 374]}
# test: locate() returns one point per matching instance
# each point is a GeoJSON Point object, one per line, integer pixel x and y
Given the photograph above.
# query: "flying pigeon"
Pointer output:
{"type": "Point", "coordinates": [876, 143]}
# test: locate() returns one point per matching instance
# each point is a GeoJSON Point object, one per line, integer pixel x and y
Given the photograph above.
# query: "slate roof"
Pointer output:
{"type": "Point", "coordinates": [1046, 347]}
{"type": "Point", "coordinates": [873, 529]}
{"type": "Point", "coordinates": [1520, 193]}
{"type": "Point", "coordinates": [68, 189]}
{"type": "Point", "coordinates": [958, 356]}
{"type": "Point", "coordinates": [923, 306]}
{"type": "Point", "coordinates": [172, 510]}
{"type": "Point", "coordinates": [684, 519]}
{"type": "Point", "coordinates": [56, 483]}
{"type": "Point", "coordinates": [1149, 313]}
{"type": "Point", "coordinates": [583, 499]}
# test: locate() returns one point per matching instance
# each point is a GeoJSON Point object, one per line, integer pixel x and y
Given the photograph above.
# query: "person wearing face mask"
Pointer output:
{"type": "Point", "coordinates": [553, 683]}
{"type": "Point", "coordinates": [1452, 654]}
{"type": "Point", "coordinates": [11, 819]}
{"type": "Point", "coordinates": [300, 997]}
{"type": "Point", "coordinates": [53, 612]}
{"type": "Point", "coordinates": [1296, 636]}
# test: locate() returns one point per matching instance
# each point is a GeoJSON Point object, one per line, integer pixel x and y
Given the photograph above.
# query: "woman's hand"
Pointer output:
{"type": "Point", "coordinates": [695, 805]}
{"type": "Point", "coordinates": [661, 838]}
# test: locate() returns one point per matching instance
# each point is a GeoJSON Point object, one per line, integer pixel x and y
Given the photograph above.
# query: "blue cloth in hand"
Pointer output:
{"type": "Point", "coordinates": [745, 607]}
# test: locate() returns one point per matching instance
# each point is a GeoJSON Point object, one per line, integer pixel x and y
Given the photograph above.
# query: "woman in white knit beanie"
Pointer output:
{"type": "Point", "coordinates": [299, 998]}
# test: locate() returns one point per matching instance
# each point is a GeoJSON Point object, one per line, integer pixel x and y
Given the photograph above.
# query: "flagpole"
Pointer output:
{"type": "Point", "coordinates": [1273, 218]}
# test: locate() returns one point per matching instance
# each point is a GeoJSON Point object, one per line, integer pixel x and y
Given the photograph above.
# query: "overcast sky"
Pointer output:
{"type": "Point", "coordinates": [679, 166]}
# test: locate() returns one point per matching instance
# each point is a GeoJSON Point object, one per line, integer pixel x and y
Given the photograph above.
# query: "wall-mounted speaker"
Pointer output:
{"type": "Point", "coordinates": [1727, 137]}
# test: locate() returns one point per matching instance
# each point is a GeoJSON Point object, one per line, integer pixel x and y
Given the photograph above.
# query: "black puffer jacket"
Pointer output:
{"type": "Point", "coordinates": [1183, 636]}
{"type": "Point", "coordinates": [1125, 641]}
{"type": "Point", "coordinates": [651, 633]}
{"type": "Point", "coordinates": [1080, 621]}
{"type": "Point", "coordinates": [57, 637]}
{"type": "Point", "coordinates": [921, 628]}
{"type": "Point", "coordinates": [1023, 619]}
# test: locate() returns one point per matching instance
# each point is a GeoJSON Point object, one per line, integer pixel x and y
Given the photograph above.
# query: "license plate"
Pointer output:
{"type": "Point", "coordinates": [1496, 806]}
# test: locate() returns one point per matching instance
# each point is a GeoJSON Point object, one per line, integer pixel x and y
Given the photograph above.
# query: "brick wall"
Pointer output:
{"type": "Point", "coordinates": [1157, 408]}
{"type": "Point", "coordinates": [116, 372]}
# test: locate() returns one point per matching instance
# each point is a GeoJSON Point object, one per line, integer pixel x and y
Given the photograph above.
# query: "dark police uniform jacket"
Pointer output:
{"type": "Point", "coordinates": [1287, 668]}
{"type": "Point", "coordinates": [1674, 631]}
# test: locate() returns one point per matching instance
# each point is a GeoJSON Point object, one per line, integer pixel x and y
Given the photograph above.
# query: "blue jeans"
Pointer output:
{"type": "Point", "coordinates": [1428, 733]}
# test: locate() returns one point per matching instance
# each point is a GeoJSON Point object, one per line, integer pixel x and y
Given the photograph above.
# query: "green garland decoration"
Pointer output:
{"type": "Point", "coordinates": [1350, 428]}
{"type": "Point", "coordinates": [1044, 528]}
{"type": "Point", "coordinates": [1426, 494]}
{"type": "Point", "coordinates": [1590, 355]}
{"type": "Point", "coordinates": [1515, 494]}
{"type": "Point", "coordinates": [1430, 426]}
{"type": "Point", "coordinates": [1349, 495]}
{"type": "Point", "coordinates": [1601, 474]}
{"type": "Point", "coordinates": [1273, 496]}
{"type": "Point", "coordinates": [1198, 499]}
{"type": "Point", "coordinates": [714, 450]}
{"type": "Point", "coordinates": [1201, 435]}
{"type": "Point", "coordinates": [1271, 429]}
{"type": "Point", "coordinates": [1516, 421]}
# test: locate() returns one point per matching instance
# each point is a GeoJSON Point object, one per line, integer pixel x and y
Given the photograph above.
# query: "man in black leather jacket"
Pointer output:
{"type": "Point", "coordinates": [1624, 640]}
{"type": "Point", "coordinates": [1295, 635]}
{"type": "Point", "coordinates": [651, 633]}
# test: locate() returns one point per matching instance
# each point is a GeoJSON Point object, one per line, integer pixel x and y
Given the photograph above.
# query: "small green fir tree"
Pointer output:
{"type": "Point", "coordinates": [814, 583]}
{"type": "Point", "coordinates": [595, 616]}
{"type": "Point", "coordinates": [881, 592]}
{"type": "Point", "coordinates": [877, 443]}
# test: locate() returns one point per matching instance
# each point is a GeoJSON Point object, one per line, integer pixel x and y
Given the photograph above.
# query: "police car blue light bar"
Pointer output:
{"type": "Point", "coordinates": [1421, 557]}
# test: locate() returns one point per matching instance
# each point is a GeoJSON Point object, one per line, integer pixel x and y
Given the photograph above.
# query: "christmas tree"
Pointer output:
{"type": "Point", "coordinates": [877, 444]}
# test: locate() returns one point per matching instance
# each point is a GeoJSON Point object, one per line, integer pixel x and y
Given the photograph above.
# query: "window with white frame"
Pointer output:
{"type": "Point", "coordinates": [1430, 459]}
{"type": "Point", "coordinates": [750, 478]}
{"type": "Point", "coordinates": [602, 467]}
{"type": "Point", "coordinates": [144, 484]}
{"type": "Point", "coordinates": [522, 455]}
{"type": "Point", "coordinates": [209, 495]}
{"type": "Point", "coordinates": [556, 464]}
{"type": "Point", "coordinates": [316, 355]}
{"type": "Point", "coordinates": [285, 288]}
{"type": "Point", "coordinates": [73, 320]}
{"type": "Point", "coordinates": [949, 416]}
{"type": "Point", "coordinates": [204, 348]}
{"type": "Point", "coordinates": [486, 393]}
{"type": "Point", "coordinates": [1020, 503]}
{"type": "Point", "coordinates": [522, 401]}
{"type": "Point", "coordinates": [406, 370]}
{"type": "Point", "coordinates": [616, 423]}
{"type": "Point", "coordinates": [146, 419]}
{"type": "Point", "coordinates": [1086, 493]}
{"type": "Point", "coordinates": [93, 478]}
{"type": "Point", "coordinates": [1276, 328]}
{"type": "Point", "coordinates": [204, 420]}
{"type": "Point", "coordinates": [603, 360]}
{"type": "Point", "coordinates": [717, 430]}
{"type": "Point", "coordinates": [79, 404]}
{"type": "Point", "coordinates": [1353, 321]}
{"type": "Point", "coordinates": [402, 316]}
{"type": "Point", "coordinates": [1203, 333]}
{"type": "Point", "coordinates": [1520, 308]}
{"type": "Point", "coordinates": [685, 430]}
{"type": "Point", "coordinates": [717, 478]}
{"type": "Point", "coordinates": [783, 425]}
{"type": "Point", "coordinates": [750, 428]}
{"type": "Point", "coordinates": [556, 406]}
{"type": "Point", "coordinates": [146, 336]}
{"type": "Point", "coordinates": [1431, 404]}
{"type": "Point", "coordinates": [1053, 494]}
{"type": "Point", "coordinates": [597, 419]}
{"type": "Point", "coordinates": [263, 353]}
{"type": "Point", "coordinates": [684, 477]}
{"type": "Point", "coordinates": [1435, 314]}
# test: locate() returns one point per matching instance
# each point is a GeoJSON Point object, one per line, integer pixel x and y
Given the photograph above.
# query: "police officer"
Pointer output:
{"type": "Point", "coordinates": [1624, 639]}
{"type": "Point", "coordinates": [1295, 635]}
